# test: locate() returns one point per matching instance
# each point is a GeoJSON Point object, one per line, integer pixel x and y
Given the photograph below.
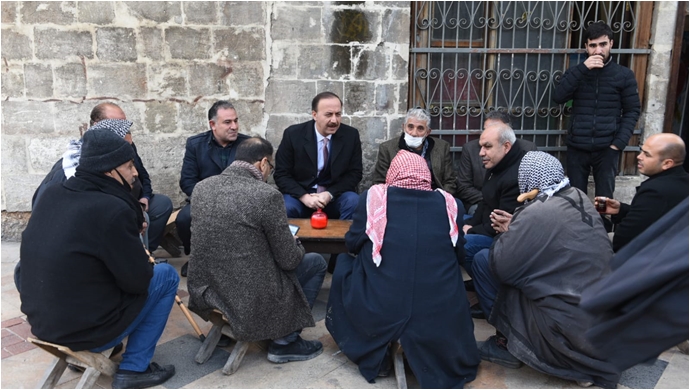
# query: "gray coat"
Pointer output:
{"type": "Point", "coordinates": [242, 257]}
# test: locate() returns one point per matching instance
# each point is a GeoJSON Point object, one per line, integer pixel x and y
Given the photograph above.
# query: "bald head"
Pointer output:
{"type": "Point", "coordinates": [659, 153]}
{"type": "Point", "coordinates": [106, 111]}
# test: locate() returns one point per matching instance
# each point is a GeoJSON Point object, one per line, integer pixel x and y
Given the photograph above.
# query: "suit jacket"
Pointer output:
{"type": "Point", "coordinates": [202, 159]}
{"type": "Point", "coordinates": [441, 163]}
{"type": "Point", "coordinates": [471, 173]}
{"type": "Point", "coordinates": [296, 160]}
{"type": "Point", "coordinates": [654, 198]}
{"type": "Point", "coordinates": [243, 257]}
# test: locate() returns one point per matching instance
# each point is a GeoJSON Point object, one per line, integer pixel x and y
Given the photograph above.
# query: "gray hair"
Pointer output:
{"type": "Point", "coordinates": [505, 133]}
{"type": "Point", "coordinates": [419, 113]}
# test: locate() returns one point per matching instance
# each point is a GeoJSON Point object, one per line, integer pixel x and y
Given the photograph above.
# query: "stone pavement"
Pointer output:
{"type": "Point", "coordinates": [23, 365]}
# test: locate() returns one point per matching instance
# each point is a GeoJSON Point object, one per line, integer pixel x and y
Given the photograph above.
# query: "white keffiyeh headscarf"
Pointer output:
{"type": "Point", "coordinates": [70, 159]}
{"type": "Point", "coordinates": [542, 171]}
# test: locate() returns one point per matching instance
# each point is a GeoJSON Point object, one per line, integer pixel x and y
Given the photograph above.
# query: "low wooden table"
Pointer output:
{"type": "Point", "coordinates": [328, 240]}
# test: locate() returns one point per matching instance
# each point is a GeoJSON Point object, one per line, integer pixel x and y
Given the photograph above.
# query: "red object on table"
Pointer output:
{"type": "Point", "coordinates": [319, 220]}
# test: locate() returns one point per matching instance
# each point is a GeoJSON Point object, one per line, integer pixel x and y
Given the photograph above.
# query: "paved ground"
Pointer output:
{"type": "Point", "coordinates": [23, 365]}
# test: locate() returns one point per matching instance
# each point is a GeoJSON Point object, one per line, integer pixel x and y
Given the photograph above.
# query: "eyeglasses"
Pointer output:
{"type": "Point", "coordinates": [271, 165]}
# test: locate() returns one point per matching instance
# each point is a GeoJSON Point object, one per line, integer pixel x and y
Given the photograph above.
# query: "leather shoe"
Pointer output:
{"type": "Point", "coordinates": [183, 270]}
{"type": "Point", "coordinates": [224, 341]}
{"type": "Point", "coordinates": [491, 351]}
{"type": "Point", "coordinates": [297, 350]}
{"type": "Point", "coordinates": [469, 285]}
{"type": "Point", "coordinates": [154, 375]}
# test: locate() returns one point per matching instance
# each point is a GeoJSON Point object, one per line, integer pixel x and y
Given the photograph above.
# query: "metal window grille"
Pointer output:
{"type": "Point", "coordinates": [471, 57]}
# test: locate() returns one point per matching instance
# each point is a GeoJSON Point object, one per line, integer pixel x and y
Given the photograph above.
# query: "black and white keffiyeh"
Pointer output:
{"type": "Point", "coordinates": [70, 159]}
{"type": "Point", "coordinates": [542, 171]}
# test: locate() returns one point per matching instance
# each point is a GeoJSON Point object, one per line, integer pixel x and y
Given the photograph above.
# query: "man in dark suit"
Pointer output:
{"type": "Point", "coordinates": [207, 154]}
{"type": "Point", "coordinates": [661, 158]}
{"type": "Point", "coordinates": [319, 163]}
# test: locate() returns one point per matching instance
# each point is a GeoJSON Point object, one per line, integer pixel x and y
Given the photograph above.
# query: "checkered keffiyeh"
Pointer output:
{"type": "Point", "coordinates": [410, 171]}
{"type": "Point", "coordinates": [542, 171]}
{"type": "Point", "coordinates": [70, 159]}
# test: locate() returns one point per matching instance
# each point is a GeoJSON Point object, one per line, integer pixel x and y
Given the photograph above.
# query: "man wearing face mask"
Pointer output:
{"type": "Point", "coordinates": [415, 138]}
{"type": "Point", "coordinates": [255, 272]}
{"type": "Point", "coordinates": [87, 282]}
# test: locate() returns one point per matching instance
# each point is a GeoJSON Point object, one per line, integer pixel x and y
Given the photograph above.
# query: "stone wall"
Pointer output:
{"type": "Point", "coordinates": [165, 63]}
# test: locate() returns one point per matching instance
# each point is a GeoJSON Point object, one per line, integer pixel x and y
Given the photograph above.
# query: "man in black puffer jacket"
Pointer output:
{"type": "Point", "coordinates": [606, 106]}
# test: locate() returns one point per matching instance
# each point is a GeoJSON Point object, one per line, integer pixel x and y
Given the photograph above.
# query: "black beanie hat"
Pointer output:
{"type": "Point", "coordinates": [102, 151]}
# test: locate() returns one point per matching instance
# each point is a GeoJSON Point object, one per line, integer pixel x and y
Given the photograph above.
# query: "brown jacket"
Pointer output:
{"type": "Point", "coordinates": [242, 257]}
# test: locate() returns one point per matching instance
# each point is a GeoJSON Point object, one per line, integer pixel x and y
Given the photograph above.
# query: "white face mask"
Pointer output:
{"type": "Point", "coordinates": [413, 142]}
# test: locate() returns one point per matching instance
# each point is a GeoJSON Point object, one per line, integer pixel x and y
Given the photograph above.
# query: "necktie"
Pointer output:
{"type": "Point", "coordinates": [320, 188]}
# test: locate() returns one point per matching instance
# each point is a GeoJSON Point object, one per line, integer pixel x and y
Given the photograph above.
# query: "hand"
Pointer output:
{"type": "Point", "coordinates": [144, 203]}
{"type": "Point", "coordinates": [500, 220]}
{"type": "Point", "coordinates": [324, 198]}
{"type": "Point", "coordinates": [595, 61]}
{"type": "Point", "coordinates": [614, 147]}
{"type": "Point", "coordinates": [312, 201]}
{"type": "Point", "coordinates": [612, 206]}
{"type": "Point", "coordinates": [466, 228]}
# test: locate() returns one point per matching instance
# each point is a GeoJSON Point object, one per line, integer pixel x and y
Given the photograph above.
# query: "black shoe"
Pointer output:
{"type": "Point", "coordinates": [491, 351]}
{"type": "Point", "coordinates": [298, 350]}
{"type": "Point", "coordinates": [159, 260]}
{"type": "Point", "coordinates": [224, 341]}
{"type": "Point", "coordinates": [386, 366]}
{"type": "Point", "coordinates": [183, 270]}
{"type": "Point", "coordinates": [477, 312]}
{"type": "Point", "coordinates": [117, 349]}
{"type": "Point", "coordinates": [469, 285]}
{"type": "Point", "coordinates": [154, 375]}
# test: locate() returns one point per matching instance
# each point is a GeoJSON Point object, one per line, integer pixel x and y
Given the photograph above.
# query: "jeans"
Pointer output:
{"type": "Point", "coordinates": [485, 283]}
{"type": "Point", "coordinates": [160, 208]}
{"type": "Point", "coordinates": [342, 207]}
{"type": "Point", "coordinates": [183, 222]}
{"type": "Point", "coordinates": [310, 273]}
{"type": "Point", "coordinates": [148, 326]}
{"type": "Point", "coordinates": [474, 243]}
{"type": "Point", "coordinates": [604, 164]}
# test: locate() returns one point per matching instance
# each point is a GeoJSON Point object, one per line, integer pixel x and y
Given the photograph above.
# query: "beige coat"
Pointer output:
{"type": "Point", "coordinates": [243, 255]}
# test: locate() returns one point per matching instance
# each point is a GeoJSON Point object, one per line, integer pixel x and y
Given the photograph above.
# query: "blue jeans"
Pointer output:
{"type": "Point", "coordinates": [485, 283]}
{"type": "Point", "coordinates": [310, 273]}
{"type": "Point", "coordinates": [475, 243]}
{"type": "Point", "coordinates": [342, 207]}
{"type": "Point", "coordinates": [148, 326]}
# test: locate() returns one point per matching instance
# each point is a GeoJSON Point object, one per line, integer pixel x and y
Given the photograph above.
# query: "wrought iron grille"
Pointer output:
{"type": "Point", "coordinates": [471, 57]}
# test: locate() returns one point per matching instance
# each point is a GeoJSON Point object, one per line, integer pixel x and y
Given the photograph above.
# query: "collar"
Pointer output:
{"type": "Point", "coordinates": [320, 137]}
{"type": "Point", "coordinates": [678, 169]}
{"type": "Point", "coordinates": [255, 172]}
{"type": "Point", "coordinates": [513, 156]}
{"type": "Point", "coordinates": [212, 141]}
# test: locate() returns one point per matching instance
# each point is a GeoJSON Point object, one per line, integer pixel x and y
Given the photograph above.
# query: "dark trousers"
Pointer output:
{"type": "Point", "coordinates": [310, 274]}
{"type": "Point", "coordinates": [183, 223]}
{"type": "Point", "coordinates": [485, 283]}
{"type": "Point", "coordinates": [160, 208]}
{"type": "Point", "coordinates": [602, 163]}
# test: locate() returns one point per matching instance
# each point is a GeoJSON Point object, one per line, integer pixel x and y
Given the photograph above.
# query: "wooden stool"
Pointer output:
{"type": "Point", "coordinates": [94, 363]}
{"type": "Point", "coordinates": [170, 242]}
{"type": "Point", "coordinates": [221, 326]}
{"type": "Point", "coordinates": [399, 365]}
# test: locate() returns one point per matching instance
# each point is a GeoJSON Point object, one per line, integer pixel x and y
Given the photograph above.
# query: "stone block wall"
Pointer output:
{"type": "Point", "coordinates": [165, 63]}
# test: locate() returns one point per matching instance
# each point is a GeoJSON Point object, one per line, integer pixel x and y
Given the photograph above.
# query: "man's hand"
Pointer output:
{"type": "Point", "coordinates": [466, 228]}
{"type": "Point", "coordinates": [312, 201]}
{"type": "Point", "coordinates": [324, 198]}
{"type": "Point", "coordinates": [594, 62]}
{"type": "Point", "coordinates": [612, 206]}
{"type": "Point", "coordinates": [500, 220]}
{"type": "Point", "coordinates": [144, 203]}
{"type": "Point", "coordinates": [614, 147]}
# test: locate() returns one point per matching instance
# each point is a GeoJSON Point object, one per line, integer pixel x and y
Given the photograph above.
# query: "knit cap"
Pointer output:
{"type": "Point", "coordinates": [102, 150]}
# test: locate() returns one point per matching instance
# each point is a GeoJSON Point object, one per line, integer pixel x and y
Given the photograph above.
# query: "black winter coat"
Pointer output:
{"type": "Point", "coordinates": [500, 191]}
{"type": "Point", "coordinates": [654, 198]}
{"type": "Point", "coordinates": [606, 105]}
{"type": "Point", "coordinates": [85, 274]}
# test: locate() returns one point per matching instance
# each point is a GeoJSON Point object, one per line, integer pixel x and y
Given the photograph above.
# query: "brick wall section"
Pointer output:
{"type": "Point", "coordinates": [165, 63]}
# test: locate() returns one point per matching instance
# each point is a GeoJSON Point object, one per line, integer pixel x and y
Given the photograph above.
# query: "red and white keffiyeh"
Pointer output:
{"type": "Point", "coordinates": [407, 170]}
